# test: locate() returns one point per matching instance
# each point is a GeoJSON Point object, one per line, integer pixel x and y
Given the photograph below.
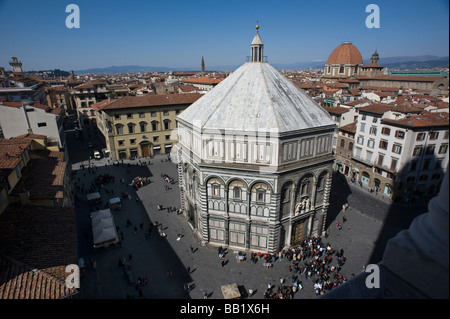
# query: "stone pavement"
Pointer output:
{"type": "Point", "coordinates": [164, 260]}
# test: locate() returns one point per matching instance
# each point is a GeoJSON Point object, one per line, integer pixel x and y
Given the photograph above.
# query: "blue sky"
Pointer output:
{"type": "Point", "coordinates": [178, 33]}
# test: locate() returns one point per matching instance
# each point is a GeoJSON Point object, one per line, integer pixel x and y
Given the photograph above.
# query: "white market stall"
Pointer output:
{"type": "Point", "coordinates": [103, 229]}
{"type": "Point", "coordinates": [115, 203]}
{"type": "Point", "coordinates": [94, 199]}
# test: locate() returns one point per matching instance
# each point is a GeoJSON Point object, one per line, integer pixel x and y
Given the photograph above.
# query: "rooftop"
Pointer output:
{"type": "Point", "coordinates": [422, 120]}
{"type": "Point", "coordinates": [256, 98]}
{"type": "Point", "coordinates": [37, 243]}
{"type": "Point", "coordinates": [346, 53]}
{"type": "Point", "coordinates": [147, 100]}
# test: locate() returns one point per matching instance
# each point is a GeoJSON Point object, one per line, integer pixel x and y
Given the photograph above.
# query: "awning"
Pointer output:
{"type": "Point", "coordinates": [114, 200]}
{"type": "Point", "coordinates": [92, 196]}
{"type": "Point", "coordinates": [230, 291]}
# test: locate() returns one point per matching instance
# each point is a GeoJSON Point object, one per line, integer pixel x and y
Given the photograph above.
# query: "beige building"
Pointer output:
{"type": "Point", "coordinates": [140, 126]}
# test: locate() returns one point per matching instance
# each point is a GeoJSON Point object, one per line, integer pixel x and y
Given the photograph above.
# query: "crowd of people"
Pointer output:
{"type": "Point", "coordinates": [138, 182]}
{"type": "Point", "coordinates": [316, 261]}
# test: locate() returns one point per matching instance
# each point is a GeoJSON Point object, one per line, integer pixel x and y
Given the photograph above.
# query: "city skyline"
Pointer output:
{"type": "Point", "coordinates": [179, 33]}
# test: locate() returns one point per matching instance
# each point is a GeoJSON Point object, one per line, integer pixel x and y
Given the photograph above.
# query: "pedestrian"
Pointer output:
{"type": "Point", "coordinates": [205, 295]}
{"type": "Point", "coordinates": [344, 219]}
{"type": "Point", "coordinates": [135, 229]}
{"type": "Point", "coordinates": [121, 235]}
{"type": "Point", "coordinates": [192, 249]}
{"type": "Point", "coordinates": [188, 269]}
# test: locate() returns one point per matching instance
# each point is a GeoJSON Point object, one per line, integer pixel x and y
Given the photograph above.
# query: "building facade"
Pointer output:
{"type": "Point", "coordinates": [19, 118]}
{"type": "Point", "coordinates": [400, 153]}
{"type": "Point", "coordinates": [255, 161]}
{"type": "Point", "coordinates": [141, 126]}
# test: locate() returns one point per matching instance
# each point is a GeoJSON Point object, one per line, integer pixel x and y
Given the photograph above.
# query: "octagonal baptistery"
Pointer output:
{"type": "Point", "coordinates": [255, 161]}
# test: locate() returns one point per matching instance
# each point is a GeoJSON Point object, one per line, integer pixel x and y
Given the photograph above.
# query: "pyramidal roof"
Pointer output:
{"type": "Point", "coordinates": [257, 39]}
{"type": "Point", "coordinates": [256, 98]}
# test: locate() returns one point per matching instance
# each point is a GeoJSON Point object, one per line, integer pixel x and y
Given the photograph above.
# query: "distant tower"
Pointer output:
{"type": "Point", "coordinates": [16, 66]}
{"type": "Point", "coordinates": [374, 59]}
{"type": "Point", "coordinates": [203, 65]}
{"type": "Point", "coordinates": [257, 48]}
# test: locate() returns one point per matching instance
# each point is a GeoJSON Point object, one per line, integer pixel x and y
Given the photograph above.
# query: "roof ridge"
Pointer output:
{"type": "Point", "coordinates": [271, 104]}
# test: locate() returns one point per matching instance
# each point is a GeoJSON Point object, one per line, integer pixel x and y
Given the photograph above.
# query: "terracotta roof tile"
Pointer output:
{"type": "Point", "coordinates": [350, 128]}
{"type": "Point", "coordinates": [11, 150]}
{"type": "Point", "coordinates": [204, 80]}
{"type": "Point", "coordinates": [37, 243]}
{"type": "Point", "coordinates": [346, 53]}
{"type": "Point", "coordinates": [336, 110]}
{"type": "Point", "coordinates": [422, 120]}
{"type": "Point", "coordinates": [381, 108]}
{"type": "Point", "coordinates": [150, 100]}
{"type": "Point", "coordinates": [43, 178]}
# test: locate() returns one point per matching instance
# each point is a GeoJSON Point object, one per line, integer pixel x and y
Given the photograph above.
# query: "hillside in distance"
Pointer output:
{"type": "Point", "coordinates": [398, 63]}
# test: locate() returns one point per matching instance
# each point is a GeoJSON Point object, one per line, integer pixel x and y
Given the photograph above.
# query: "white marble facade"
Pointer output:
{"type": "Point", "coordinates": [255, 162]}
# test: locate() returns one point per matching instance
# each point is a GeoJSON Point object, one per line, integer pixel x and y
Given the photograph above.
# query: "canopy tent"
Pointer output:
{"type": "Point", "coordinates": [115, 203]}
{"type": "Point", "coordinates": [230, 291]}
{"type": "Point", "coordinates": [102, 223]}
{"type": "Point", "coordinates": [93, 196]}
{"type": "Point", "coordinates": [103, 228]}
{"type": "Point", "coordinates": [103, 213]}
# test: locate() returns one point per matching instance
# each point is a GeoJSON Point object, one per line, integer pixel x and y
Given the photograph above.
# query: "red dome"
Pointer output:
{"type": "Point", "coordinates": [346, 53]}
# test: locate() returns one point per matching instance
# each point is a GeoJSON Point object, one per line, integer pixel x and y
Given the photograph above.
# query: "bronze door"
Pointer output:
{"type": "Point", "coordinates": [298, 229]}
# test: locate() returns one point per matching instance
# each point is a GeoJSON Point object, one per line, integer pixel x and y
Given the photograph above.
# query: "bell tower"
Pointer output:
{"type": "Point", "coordinates": [16, 66]}
{"type": "Point", "coordinates": [374, 59]}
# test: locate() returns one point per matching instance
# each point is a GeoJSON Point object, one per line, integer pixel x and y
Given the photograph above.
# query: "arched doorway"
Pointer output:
{"type": "Point", "coordinates": [376, 184]}
{"type": "Point", "coordinates": [388, 189]}
{"type": "Point", "coordinates": [365, 178]}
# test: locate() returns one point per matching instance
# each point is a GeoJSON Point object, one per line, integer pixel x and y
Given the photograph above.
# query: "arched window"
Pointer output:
{"type": "Point", "coordinates": [155, 125]}
{"type": "Point", "coordinates": [143, 126]}
{"type": "Point", "coordinates": [237, 192]}
{"type": "Point", "coordinates": [341, 69]}
{"type": "Point", "coordinates": [260, 193]}
{"type": "Point", "coordinates": [167, 124]}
